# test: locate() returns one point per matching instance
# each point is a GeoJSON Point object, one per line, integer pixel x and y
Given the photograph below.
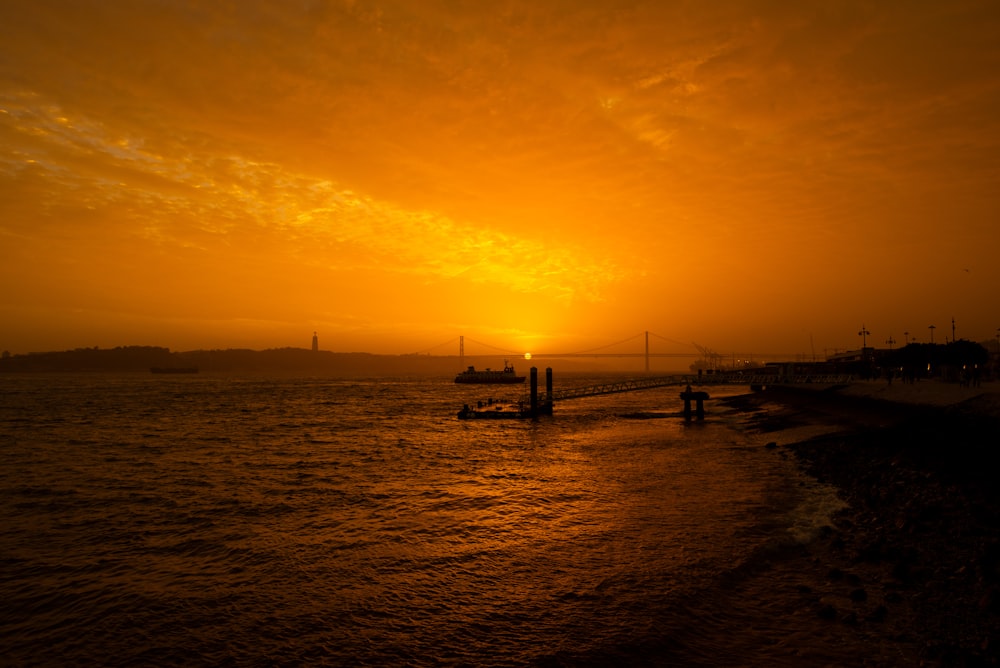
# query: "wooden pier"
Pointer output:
{"type": "Point", "coordinates": [543, 404]}
{"type": "Point", "coordinates": [537, 405]}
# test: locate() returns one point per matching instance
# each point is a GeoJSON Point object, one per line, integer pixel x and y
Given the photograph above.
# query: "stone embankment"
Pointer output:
{"type": "Point", "coordinates": [914, 559]}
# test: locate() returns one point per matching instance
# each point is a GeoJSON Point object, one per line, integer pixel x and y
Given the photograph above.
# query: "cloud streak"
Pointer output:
{"type": "Point", "coordinates": [179, 198]}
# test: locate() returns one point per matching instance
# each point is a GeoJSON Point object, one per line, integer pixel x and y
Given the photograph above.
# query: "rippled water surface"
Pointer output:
{"type": "Point", "coordinates": [247, 521]}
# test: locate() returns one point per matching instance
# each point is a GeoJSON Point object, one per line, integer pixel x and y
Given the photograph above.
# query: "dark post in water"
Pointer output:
{"type": "Point", "coordinates": [534, 391]}
{"type": "Point", "coordinates": [699, 398]}
{"type": "Point", "coordinates": [548, 391]}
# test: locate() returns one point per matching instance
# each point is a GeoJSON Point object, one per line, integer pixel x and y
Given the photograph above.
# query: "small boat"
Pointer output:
{"type": "Point", "coordinates": [490, 377]}
{"type": "Point", "coordinates": [173, 369]}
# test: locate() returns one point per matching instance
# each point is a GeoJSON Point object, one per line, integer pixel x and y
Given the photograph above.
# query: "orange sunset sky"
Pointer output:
{"type": "Point", "coordinates": [540, 176]}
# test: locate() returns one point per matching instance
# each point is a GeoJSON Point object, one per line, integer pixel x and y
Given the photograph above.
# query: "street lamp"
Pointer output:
{"type": "Point", "coordinates": [864, 337]}
{"type": "Point", "coordinates": [906, 336]}
{"type": "Point", "coordinates": [890, 341]}
{"type": "Point", "coordinates": [932, 328]}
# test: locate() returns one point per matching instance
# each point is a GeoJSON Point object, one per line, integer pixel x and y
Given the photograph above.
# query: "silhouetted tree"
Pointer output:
{"type": "Point", "coordinates": [918, 360]}
{"type": "Point", "coordinates": [963, 353]}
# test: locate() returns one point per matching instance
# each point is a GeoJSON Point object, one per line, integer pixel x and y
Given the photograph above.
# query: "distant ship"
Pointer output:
{"type": "Point", "coordinates": [489, 377]}
{"type": "Point", "coordinates": [174, 369]}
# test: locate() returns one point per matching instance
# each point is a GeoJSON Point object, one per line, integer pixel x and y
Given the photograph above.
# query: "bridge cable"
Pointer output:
{"type": "Point", "coordinates": [440, 345]}
{"type": "Point", "coordinates": [677, 343]}
{"type": "Point", "coordinates": [609, 345]}
{"type": "Point", "coordinates": [486, 345]}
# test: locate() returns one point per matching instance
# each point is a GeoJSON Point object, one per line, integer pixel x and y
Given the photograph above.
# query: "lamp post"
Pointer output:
{"type": "Point", "coordinates": [890, 341]}
{"type": "Point", "coordinates": [906, 337]}
{"type": "Point", "coordinates": [864, 345]}
{"type": "Point", "coordinates": [932, 328]}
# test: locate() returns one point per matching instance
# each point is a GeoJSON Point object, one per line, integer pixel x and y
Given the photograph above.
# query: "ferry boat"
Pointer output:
{"type": "Point", "coordinates": [489, 377]}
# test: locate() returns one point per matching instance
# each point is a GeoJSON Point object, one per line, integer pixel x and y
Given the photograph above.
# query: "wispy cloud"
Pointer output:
{"type": "Point", "coordinates": [177, 198]}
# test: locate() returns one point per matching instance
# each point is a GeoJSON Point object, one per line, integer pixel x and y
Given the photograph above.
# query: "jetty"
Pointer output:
{"type": "Point", "coordinates": [536, 405]}
{"type": "Point", "coordinates": [543, 404]}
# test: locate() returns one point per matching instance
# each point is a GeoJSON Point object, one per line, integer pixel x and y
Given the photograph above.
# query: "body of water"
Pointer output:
{"type": "Point", "coordinates": [200, 520]}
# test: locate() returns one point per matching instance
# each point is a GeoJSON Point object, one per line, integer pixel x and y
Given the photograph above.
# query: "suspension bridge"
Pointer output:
{"type": "Point", "coordinates": [541, 403]}
{"type": "Point", "coordinates": [623, 349]}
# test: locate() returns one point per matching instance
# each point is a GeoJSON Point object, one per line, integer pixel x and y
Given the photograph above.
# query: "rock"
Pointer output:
{"type": "Point", "coordinates": [990, 601]}
{"type": "Point", "coordinates": [902, 572]}
{"type": "Point", "coordinates": [878, 614]}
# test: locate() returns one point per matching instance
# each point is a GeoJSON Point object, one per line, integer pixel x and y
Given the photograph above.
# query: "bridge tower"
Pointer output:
{"type": "Point", "coordinates": [461, 352]}
{"type": "Point", "coordinates": [647, 351]}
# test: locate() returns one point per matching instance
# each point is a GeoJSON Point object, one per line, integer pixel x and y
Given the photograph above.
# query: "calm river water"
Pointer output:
{"type": "Point", "coordinates": [209, 520]}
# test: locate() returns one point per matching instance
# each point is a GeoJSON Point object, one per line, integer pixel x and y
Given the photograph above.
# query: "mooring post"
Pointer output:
{"type": "Point", "coordinates": [699, 398]}
{"type": "Point", "coordinates": [548, 391]}
{"type": "Point", "coordinates": [534, 391]}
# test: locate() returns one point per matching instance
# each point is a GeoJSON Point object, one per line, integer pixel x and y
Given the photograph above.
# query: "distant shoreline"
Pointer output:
{"type": "Point", "coordinates": [289, 361]}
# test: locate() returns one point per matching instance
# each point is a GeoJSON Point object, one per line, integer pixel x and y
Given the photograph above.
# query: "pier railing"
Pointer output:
{"type": "Point", "coordinates": [619, 386]}
{"type": "Point", "coordinates": [772, 379]}
{"type": "Point", "coordinates": [693, 380]}
{"type": "Point", "coordinates": [542, 403]}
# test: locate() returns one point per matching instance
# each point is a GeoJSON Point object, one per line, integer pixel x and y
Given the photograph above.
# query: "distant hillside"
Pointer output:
{"type": "Point", "coordinates": [122, 358]}
{"type": "Point", "coordinates": [277, 361]}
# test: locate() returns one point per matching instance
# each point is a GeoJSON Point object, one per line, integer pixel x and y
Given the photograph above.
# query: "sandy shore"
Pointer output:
{"type": "Point", "coordinates": [911, 568]}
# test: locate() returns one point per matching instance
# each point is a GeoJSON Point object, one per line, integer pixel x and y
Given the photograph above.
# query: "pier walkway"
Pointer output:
{"type": "Point", "coordinates": [543, 403]}
{"type": "Point", "coordinates": [752, 379]}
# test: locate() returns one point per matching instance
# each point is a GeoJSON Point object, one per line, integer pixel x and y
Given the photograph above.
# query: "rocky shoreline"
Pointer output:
{"type": "Point", "coordinates": [911, 567]}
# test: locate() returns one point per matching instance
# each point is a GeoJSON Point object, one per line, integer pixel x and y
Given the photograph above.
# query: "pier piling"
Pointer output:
{"type": "Point", "coordinates": [699, 398]}
{"type": "Point", "coordinates": [547, 406]}
{"type": "Point", "coordinates": [534, 391]}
